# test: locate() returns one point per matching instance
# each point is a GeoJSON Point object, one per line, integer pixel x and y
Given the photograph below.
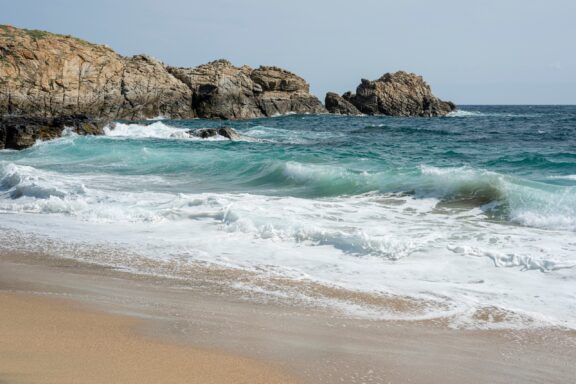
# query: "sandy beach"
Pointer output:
{"type": "Point", "coordinates": [46, 340]}
{"type": "Point", "coordinates": [307, 192]}
{"type": "Point", "coordinates": [68, 322]}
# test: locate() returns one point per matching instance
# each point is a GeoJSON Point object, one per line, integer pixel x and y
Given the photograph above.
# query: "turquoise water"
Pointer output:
{"type": "Point", "coordinates": [521, 157]}
{"type": "Point", "coordinates": [377, 197]}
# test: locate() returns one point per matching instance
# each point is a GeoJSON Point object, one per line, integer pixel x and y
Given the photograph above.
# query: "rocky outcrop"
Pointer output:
{"type": "Point", "coordinates": [149, 90]}
{"type": "Point", "coordinates": [205, 133]}
{"type": "Point", "coordinates": [46, 74]}
{"type": "Point", "coordinates": [221, 90]}
{"type": "Point", "coordinates": [20, 132]}
{"type": "Point", "coordinates": [284, 92]}
{"type": "Point", "coordinates": [398, 94]}
{"type": "Point", "coordinates": [339, 105]}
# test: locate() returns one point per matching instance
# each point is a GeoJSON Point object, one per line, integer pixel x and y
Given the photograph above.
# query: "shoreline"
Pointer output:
{"type": "Point", "coordinates": [314, 345]}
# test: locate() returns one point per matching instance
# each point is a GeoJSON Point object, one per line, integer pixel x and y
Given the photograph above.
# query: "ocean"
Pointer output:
{"type": "Point", "coordinates": [473, 214]}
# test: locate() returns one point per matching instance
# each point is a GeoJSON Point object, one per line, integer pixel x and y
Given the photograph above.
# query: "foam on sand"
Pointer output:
{"type": "Point", "coordinates": [398, 244]}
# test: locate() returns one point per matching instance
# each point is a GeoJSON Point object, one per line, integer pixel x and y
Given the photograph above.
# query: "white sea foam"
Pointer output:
{"type": "Point", "coordinates": [463, 113]}
{"type": "Point", "coordinates": [157, 130]}
{"type": "Point", "coordinates": [374, 242]}
{"type": "Point", "coordinates": [564, 177]}
{"type": "Point", "coordinates": [290, 113]}
{"type": "Point", "coordinates": [159, 117]}
{"type": "Point", "coordinates": [160, 130]}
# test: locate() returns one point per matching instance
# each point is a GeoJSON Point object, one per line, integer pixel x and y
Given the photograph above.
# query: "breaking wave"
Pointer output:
{"type": "Point", "coordinates": [473, 213]}
{"type": "Point", "coordinates": [500, 197]}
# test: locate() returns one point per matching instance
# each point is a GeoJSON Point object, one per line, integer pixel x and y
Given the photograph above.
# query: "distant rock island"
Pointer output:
{"type": "Point", "coordinates": [50, 81]}
{"type": "Point", "coordinates": [394, 94]}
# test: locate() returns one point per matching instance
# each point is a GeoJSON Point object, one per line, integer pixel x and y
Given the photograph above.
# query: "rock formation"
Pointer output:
{"type": "Point", "coordinates": [394, 94]}
{"type": "Point", "coordinates": [339, 105]}
{"type": "Point", "coordinates": [221, 90]}
{"type": "Point", "coordinates": [227, 132]}
{"type": "Point", "coordinates": [19, 132]}
{"type": "Point", "coordinates": [45, 74]}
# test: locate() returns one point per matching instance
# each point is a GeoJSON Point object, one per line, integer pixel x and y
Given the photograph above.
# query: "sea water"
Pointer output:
{"type": "Point", "coordinates": [471, 211]}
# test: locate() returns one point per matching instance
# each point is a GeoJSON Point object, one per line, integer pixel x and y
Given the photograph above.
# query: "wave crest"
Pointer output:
{"type": "Point", "coordinates": [156, 130]}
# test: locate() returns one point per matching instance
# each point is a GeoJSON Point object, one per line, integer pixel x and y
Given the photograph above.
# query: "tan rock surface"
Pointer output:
{"type": "Point", "coordinates": [50, 75]}
{"type": "Point", "coordinates": [45, 74]}
{"type": "Point", "coordinates": [221, 90]}
{"type": "Point", "coordinates": [397, 94]}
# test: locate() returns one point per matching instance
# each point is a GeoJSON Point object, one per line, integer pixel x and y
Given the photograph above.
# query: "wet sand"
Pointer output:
{"type": "Point", "coordinates": [63, 317]}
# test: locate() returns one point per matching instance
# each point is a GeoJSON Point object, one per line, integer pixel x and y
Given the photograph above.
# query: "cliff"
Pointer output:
{"type": "Point", "coordinates": [45, 74]}
{"type": "Point", "coordinates": [221, 90]}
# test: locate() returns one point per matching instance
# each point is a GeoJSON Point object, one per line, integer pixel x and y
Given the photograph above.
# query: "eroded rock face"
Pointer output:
{"type": "Point", "coordinates": [45, 74]}
{"type": "Point", "coordinates": [20, 132]}
{"type": "Point", "coordinates": [221, 90]}
{"type": "Point", "coordinates": [149, 90]}
{"type": "Point", "coordinates": [398, 94]}
{"type": "Point", "coordinates": [339, 105]}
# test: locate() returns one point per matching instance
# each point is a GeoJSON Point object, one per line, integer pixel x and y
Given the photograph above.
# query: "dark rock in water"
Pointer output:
{"type": "Point", "coordinates": [20, 132]}
{"type": "Point", "coordinates": [398, 94]}
{"type": "Point", "coordinates": [339, 105]}
{"type": "Point", "coordinates": [226, 132]}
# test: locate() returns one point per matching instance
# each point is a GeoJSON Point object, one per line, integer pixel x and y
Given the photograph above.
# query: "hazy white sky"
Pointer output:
{"type": "Point", "coordinates": [482, 51]}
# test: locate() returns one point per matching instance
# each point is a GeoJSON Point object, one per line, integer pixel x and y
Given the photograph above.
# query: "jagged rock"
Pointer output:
{"type": "Point", "coordinates": [221, 90]}
{"type": "Point", "coordinates": [150, 90]}
{"type": "Point", "coordinates": [226, 132]}
{"type": "Point", "coordinates": [46, 74]}
{"type": "Point", "coordinates": [20, 132]}
{"type": "Point", "coordinates": [398, 94]}
{"type": "Point", "coordinates": [283, 92]}
{"type": "Point", "coordinates": [339, 105]}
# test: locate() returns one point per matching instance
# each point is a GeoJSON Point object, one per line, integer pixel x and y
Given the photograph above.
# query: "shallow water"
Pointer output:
{"type": "Point", "coordinates": [474, 210]}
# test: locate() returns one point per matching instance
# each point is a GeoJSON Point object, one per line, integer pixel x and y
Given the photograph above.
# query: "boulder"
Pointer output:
{"type": "Point", "coordinates": [398, 94]}
{"type": "Point", "coordinates": [339, 105]}
{"type": "Point", "coordinates": [226, 132]}
{"type": "Point", "coordinates": [20, 132]}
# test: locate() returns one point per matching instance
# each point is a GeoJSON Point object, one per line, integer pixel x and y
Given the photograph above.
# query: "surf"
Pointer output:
{"type": "Point", "coordinates": [464, 212]}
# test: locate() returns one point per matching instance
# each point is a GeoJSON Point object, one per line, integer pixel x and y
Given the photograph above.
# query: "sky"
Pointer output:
{"type": "Point", "coordinates": [470, 52]}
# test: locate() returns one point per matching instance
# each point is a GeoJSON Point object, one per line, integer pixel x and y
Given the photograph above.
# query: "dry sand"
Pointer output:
{"type": "Point", "coordinates": [165, 330]}
{"type": "Point", "coordinates": [46, 340]}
